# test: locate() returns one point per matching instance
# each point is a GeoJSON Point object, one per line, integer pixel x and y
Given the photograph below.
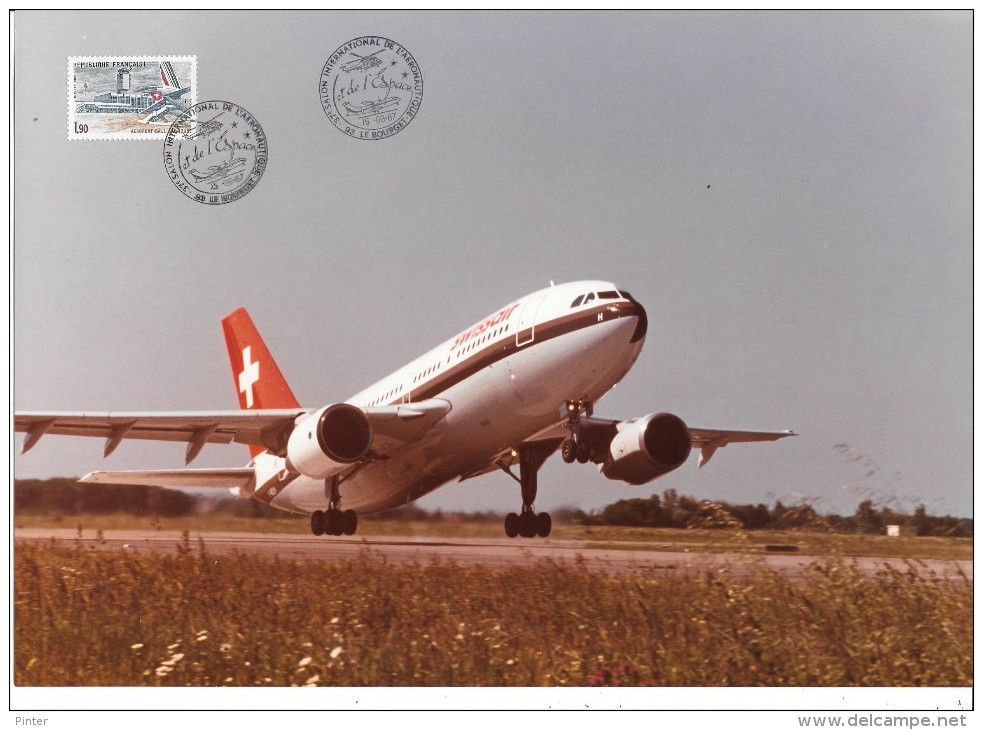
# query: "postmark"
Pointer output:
{"type": "Point", "coordinates": [128, 97]}
{"type": "Point", "coordinates": [215, 152]}
{"type": "Point", "coordinates": [371, 88]}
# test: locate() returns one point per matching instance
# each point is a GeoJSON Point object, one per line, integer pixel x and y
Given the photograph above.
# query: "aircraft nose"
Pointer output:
{"type": "Point", "coordinates": [643, 323]}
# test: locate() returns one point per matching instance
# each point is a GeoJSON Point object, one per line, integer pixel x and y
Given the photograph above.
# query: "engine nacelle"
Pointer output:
{"type": "Point", "coordinates": [646, 448]}
{"type": "Point", "coordinates": [326, 441]}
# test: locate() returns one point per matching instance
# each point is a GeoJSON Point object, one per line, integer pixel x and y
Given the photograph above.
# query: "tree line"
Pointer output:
{"type": "Point", "coordinates": [66, 497]}
{"type": "Point", "coordinates": [680, 511]}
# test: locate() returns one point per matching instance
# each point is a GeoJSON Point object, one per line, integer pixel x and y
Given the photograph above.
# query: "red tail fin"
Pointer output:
{"type": "Point", "coordinates": [167, 75]}
{"type": "Point", "coordinates": [255, 374]}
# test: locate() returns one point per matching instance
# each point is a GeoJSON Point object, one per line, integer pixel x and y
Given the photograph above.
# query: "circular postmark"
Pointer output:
{"type": "Point", "coordinates": [215, 152]}
{"type": "Point", "coordinates": [371, 88]}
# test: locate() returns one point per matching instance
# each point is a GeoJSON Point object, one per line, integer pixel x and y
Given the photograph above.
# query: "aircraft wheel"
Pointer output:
{"type": "Point", "coordinates": [583, 453]}
{"type": "Point", "coordinates": [317, 522]}
{"type": "Point", "coordinates": [349, 521]}
{"type": "Point", "coordinates": [569, 451]}
{"type": "Point", "coordinates": [511, 524]}
{"type": "Point", "coordinates": [527, 524]}
{"type": "Point", "coordinates": [544, 524]}
{"type": "Point", "coordinates": [332, 522]}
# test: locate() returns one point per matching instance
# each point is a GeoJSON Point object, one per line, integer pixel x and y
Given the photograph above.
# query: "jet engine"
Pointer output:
{"type": "Point", "coordinates": [646, 448]}
{"type": "Point", "coordinates": [324, 442]}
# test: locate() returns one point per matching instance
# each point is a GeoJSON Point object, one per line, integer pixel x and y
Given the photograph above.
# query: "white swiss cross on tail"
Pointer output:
{"type": "Point", "coordinates": [247, 352]}
{"type": "Point", "coordinates": [249, 376]}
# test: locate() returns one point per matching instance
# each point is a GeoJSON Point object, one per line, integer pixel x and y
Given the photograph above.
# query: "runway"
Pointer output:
{"type": "Point", "coordinates": [494, 553]}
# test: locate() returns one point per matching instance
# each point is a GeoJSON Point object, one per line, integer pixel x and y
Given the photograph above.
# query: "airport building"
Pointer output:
{"type": "Point", "coordinates": [121, 100]}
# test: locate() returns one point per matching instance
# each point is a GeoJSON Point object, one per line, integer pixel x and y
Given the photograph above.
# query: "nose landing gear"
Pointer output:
{"type": "Point", "coordinates": [576, 447]}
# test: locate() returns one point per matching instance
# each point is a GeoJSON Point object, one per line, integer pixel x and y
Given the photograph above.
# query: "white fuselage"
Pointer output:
{"type": "Point", "coordinates": [507, 378]}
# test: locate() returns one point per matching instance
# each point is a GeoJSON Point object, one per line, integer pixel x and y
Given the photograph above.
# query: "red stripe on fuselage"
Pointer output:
{"type": "Point", "coordinates": [505, 347]}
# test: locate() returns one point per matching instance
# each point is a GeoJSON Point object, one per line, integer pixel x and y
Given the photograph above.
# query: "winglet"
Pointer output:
{"type": "Point", "coordinates": [255, 375]}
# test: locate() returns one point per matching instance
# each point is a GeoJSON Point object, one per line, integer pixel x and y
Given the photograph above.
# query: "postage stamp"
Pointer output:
{"type": "Point", "coordinates": [215, 152]}
{"type": "Point", "coordinates": [128, 97]}
{"type": "Point", "coordinates": [371, 88]}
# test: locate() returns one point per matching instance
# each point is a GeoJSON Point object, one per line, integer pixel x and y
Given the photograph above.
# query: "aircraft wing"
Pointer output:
{"type": "Point", "coordinates": [268, 428]}
{"type": "Point", "coordinates": [708, 440]}
{"type": "Point", "coordinates": [392, 426]}
{"type": "Point", "coordinates": [177, 94]}
{"type": "Point", "coordinates": [210, 478]}
{"type": "Point", "coordinates": [154, 107]}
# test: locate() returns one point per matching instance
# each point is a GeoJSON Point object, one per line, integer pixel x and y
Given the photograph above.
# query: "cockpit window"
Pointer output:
{"type": "Point", "coordinates": [608, 295]}
{"type": "Point", "coordinates": [627, 296]}
{"type": "Point", "coordinates": [577, 301]}
{"type": "Point", "coordinates": [590, 298]}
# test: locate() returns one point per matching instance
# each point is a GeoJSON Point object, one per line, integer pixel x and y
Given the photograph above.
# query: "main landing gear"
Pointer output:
{"type": "Point", "coordinates": [334, 521]}
{"type": "Point", "coordinates": [529, 523]}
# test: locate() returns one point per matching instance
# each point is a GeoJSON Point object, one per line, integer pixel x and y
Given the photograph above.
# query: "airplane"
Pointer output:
{"type": "Point", "coordinates": [370, 107]}
{"type": "Point", "coordinates": [364, 63]}
{"type": "Point", "coordinates": [509, 391]}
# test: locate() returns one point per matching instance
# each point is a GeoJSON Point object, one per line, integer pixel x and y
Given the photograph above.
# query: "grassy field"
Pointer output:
{"type": "Point", "coordinates": [809, 542]}
{"type": "Point", "coordinates": [86, 617]}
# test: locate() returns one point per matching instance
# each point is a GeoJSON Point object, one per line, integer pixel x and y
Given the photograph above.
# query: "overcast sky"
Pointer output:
{"type": "Point", "coordinates": [788, 194]}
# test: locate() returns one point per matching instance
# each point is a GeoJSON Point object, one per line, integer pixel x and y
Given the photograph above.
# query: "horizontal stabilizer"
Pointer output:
{"type": "Point", "coordinates": [209, 478]}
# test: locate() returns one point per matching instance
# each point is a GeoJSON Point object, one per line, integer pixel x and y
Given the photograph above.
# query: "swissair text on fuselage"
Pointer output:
{"type": "Point", "coordinates": [493, 321]}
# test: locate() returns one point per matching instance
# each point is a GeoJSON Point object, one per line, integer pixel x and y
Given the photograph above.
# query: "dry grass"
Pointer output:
{"type": "Point", "coordinates": [86, 617]}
